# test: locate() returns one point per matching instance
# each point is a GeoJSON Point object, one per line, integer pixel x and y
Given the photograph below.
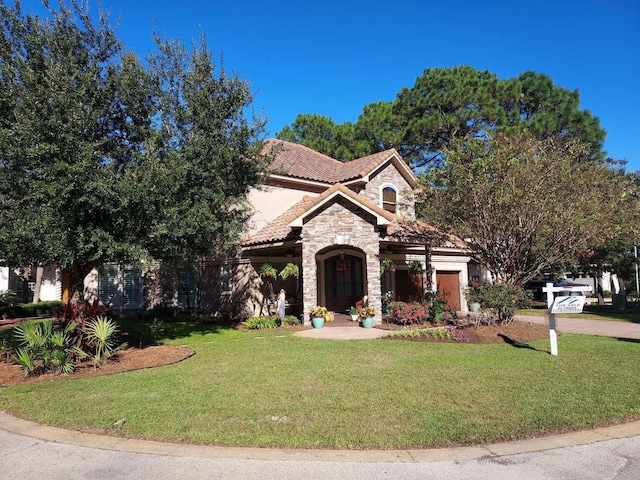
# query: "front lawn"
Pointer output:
{"type": "Point", "coordinates": [273, 389]}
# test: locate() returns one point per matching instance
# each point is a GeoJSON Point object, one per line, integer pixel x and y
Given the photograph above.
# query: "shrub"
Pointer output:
{"type": "Point", "coordinates": [403, 313]}
{"type": "Point", "coordinates": [101, 333]}
{"type": "Point", "coordinates": [25, 310]}
{"type": "Point", "coordinates": [449, 333]}
{"type": "Point", "coordinates": [261, 323]}
{"type": "Point", "coordinates": [7, 297]}
{"type": "Point", "coordinates": [502, 299]}
{"type": "Point", "coordinates": [43, 350]}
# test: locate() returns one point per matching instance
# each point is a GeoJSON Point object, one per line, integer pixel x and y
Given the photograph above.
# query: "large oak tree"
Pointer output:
{"type": "Point", "coordinates": [106, 159]}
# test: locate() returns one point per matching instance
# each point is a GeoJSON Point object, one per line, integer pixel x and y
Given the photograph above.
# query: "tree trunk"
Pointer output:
{"type": "Point", "coordinates": [38, 286]}
{"type": "Point", "coordinates": [77, 273]}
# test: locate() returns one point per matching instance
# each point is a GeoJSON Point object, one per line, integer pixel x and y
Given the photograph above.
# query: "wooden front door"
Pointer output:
{"type": "Point", "coordinates": [343, 279]}
{"type": "Point", "coordinates": [449, 286]}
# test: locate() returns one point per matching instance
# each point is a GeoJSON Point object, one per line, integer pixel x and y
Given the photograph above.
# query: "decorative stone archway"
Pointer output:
{"type": "Point", "coordinates": [341, 225]}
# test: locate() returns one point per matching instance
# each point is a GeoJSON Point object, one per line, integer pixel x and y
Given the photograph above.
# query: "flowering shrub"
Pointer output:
{"type": "Point", "coordinates": [408, 313]}
{"type": "Point", "coordinates": [502, 299]}
{"type": "Point", "coordinates": [445, 334]}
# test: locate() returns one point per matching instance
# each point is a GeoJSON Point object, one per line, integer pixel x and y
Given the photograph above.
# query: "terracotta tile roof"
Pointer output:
{"type": "Point", "coordinates": [279, 230]}
{"type": "Point", "coordinates": [298, 161]}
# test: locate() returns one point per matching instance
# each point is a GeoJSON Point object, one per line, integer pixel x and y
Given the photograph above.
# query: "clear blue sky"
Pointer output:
{"type": "Point", "coordinates": [334, 57]}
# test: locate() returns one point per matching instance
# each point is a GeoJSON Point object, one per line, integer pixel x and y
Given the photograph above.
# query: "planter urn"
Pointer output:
{"type": "Point", "coordinates": [367, 322]}
{"type": "Point", "coordinates": [317, 322]}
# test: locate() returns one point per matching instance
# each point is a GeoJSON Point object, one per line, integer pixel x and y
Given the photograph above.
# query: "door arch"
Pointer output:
{"type": "Point", "coordinates": [343, 282]}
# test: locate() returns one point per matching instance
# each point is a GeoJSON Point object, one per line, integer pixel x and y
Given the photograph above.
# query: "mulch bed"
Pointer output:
{"type": "Point", "coordinates": [125, 361]}
{"type": "Point", "coordinates": [514, 333]}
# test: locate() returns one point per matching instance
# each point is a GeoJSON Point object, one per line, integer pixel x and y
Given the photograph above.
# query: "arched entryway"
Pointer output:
{"type": "Point", "coordinates": [343, 281]}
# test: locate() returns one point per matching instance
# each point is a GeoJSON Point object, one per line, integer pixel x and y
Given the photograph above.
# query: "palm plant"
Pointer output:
{"type": "Point", "coordinates": [102, 336]}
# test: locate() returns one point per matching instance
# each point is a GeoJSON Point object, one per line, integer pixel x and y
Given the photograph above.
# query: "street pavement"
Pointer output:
{"type": "Point", "coordinates": [29, 451]}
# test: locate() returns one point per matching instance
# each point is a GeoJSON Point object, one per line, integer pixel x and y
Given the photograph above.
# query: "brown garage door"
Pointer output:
{"type": "Point", "coordinates": [449, 286]}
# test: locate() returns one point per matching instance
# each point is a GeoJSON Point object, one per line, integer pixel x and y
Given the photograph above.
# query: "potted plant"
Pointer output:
{"type": "Point", "coordinates": [366, 315]}
{"type": "Point", "coordinates": [355, 314]}
{"type": "Point", "coordinates": [268, 271]}
{"type": "Point", "coordinates": [289, 270]}
{"type": "Point", "coordinates": [318, 315]}
{"type": "Point", "coordinates": [416, 268]}
{"type": "Point", "coordinates": [474, 293]}
{"type": "Point", "coordinates": [386, 264]}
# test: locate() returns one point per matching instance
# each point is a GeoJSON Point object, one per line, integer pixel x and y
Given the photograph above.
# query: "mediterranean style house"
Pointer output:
{"type": "Point", "coordinates": [337, 222]}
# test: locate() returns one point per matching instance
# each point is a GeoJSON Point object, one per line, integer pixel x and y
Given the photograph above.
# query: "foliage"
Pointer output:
{"type": "Point", "coordinates": [318, 312]}
{"type": "Point", "coordinates": [86, 126]}
{"type": "Point", "coordinates": [403, 313]}
{"type": "Point", "coordinates": [261, 323]}
{"type": "Point", "coordinates": [446, 105]}
{"type": "Point", "coordinates": [268, 271]}
{"type": "Point", "coordinates": [387, 264]}
{"type": "Point", "coordinates": [353, 310]}
{"type": "Point", "coordinates": [43, 350]}
{"type": "Point", "coordinates": [502, 299]}
{"type": "Point", "coordinates": [437, 306]}
{"type": "Point", "coordinates": [367, 312]}
{"type": "Point", "coordinates": [448, 333]}
{"type": "Point", "coordinates": [522, 205]}
{"type": "Point", "coordinates": [416, 267]}
{"type": "Point", "coordinates": [101, 333]}
{"type": "Point", "coordinates": [24, 310]}
{"type": "Point", "coordinates": [7, 297]}
{"type": "Point", "coordinates": [289, 270]}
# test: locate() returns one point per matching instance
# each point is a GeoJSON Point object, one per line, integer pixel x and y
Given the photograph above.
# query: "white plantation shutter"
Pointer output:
{"type": "Point", "coordinates": [132, 279]}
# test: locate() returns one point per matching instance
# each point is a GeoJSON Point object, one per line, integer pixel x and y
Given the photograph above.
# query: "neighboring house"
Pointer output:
{"type": "Point", "coordinates": [337, 221]}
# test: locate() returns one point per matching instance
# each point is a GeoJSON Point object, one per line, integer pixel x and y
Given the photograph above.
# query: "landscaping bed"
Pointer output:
{"type": "Point", "coordinates": [126, 360]}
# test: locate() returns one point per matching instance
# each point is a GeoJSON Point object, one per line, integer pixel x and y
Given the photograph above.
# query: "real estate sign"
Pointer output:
{"type": "Point", "coordinates": [568, 304]}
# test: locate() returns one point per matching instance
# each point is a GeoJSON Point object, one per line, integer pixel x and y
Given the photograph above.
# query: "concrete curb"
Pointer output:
{"type": "Point", "coordinates": [90, 440]}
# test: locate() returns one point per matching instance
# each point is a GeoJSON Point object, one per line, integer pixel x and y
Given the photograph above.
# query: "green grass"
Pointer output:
{"type": "Point", "coordinates": [592, 312]}
{"type": "Point", "coordinates": [275, 390]}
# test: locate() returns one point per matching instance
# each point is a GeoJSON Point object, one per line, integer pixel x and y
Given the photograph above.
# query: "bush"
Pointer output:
{"type": "Point", "coordinates": [403, 313]}
{"type": "Point", "coordinates": [26, 310]}
{"type": "Point", "coordinates": [261, 323]}
{"type": "Point", "coordinates": [502, 299]}
{"type": "Point", "coordinates": [448, 333]}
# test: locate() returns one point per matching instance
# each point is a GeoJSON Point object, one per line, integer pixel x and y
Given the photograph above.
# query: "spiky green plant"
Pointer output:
{"type": "Point", "coordinates": [102, 336]}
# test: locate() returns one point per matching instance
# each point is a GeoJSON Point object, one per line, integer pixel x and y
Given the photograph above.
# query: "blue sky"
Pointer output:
{"type": "Point", "coordinates": [334, 57]}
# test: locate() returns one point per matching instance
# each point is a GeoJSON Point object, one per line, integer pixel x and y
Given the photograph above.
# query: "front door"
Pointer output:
{"type": "Point", "coordinates": [343, 279]}
{"type": "Point", "coordinates": [449, 286]}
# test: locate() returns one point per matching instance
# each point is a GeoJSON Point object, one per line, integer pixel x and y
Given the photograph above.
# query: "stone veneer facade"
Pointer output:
{"type": "Point", "coordinates": [390, 176]}
{"type": "Point", "coordinates": [340, 224]}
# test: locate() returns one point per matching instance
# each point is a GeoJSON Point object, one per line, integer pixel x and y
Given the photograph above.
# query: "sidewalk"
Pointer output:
{"type": "Point", "coordinates": [589, 327]}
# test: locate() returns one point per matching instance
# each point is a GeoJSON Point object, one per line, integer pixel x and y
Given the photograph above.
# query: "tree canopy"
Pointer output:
{"type": "Point", "coordinates": [523, 204]}
{"type": "Point", "coordinates": [450, 104]}
{"type": "Point", "coordinates": [105, 158]}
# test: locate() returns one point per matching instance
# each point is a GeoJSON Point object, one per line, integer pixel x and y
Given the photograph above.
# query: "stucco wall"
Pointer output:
{"type": "Point", "coordinates": [340, 224]}
{"type": "Point", "coordinates": [269, 202]}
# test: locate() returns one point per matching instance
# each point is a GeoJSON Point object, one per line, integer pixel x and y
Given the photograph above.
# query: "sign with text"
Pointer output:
{"type": "Point", "coordinates": [568, 304]}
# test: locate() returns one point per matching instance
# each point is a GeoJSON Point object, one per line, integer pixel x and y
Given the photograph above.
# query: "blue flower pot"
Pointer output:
{"type": "Point", "coordinates": [317, 322]}
{"type": "Point", "coordinates": [367, 322]}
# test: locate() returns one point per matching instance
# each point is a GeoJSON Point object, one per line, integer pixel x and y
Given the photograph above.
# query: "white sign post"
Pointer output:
{"type": "Point", "coordinates": [570, 304]}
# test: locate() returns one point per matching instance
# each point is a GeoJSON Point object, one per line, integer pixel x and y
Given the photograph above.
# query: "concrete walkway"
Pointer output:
{"type": "Point", "coordinates": [589, 327]}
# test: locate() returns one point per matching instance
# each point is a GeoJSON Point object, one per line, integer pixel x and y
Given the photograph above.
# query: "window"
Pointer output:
{"type": "Point", "coordinates": [186, 288]}
{"type": "Point", "coordinates": [125, 291]}
{"type": "Point", "coordinates": [389, 198]}
{"type": "Point", "coordinates": [132, 280]}
{"type": "Point", "coordinates": [225, 278]}
{"type": "Point", "coordinates": [107, 285]}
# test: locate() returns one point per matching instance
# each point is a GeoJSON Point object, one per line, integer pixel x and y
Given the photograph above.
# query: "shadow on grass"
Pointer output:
{"type": "Point", "coordinates": [515, 344]}
{"type": "Point", "coordinates": [628, 340]}
{"type": "Point", "coordinates": [149, 333]}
